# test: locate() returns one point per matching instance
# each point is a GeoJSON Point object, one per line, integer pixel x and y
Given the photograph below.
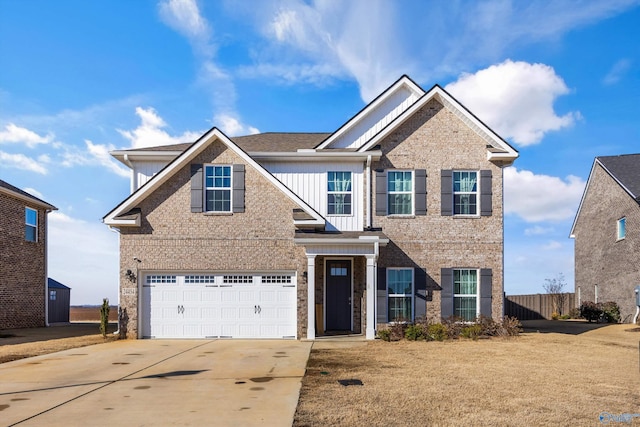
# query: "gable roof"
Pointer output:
{"type": "Point", "coordinates": [54, 284]}
{"type": "Point", "coordinates": [122, 214]}
{"type": "Point", "coordinates": [623, 169]}
{"type": "Point", "coordinates": [403, 83]}
{"type": "Point", "coordinates": [497, 148]}
{"type": "Point", "coordinates": [9, 189]}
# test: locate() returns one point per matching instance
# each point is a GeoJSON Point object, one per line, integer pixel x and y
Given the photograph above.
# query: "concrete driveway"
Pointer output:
{"type": "Point", "coordinates": [157, 382]}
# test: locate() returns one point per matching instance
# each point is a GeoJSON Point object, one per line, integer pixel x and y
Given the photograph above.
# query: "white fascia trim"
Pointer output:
{"type": "Point", "coordinates": [452, 105]}
{"type": "Point", "coordinates": [340, 241]}
{"type": "Point", "coordinates": [127, 156]}
{"type": "Point", "coordinates": [188, 155]}
{"type": "Point", "coordinates": [28, 199]}
{"type": "Point", "coordinates": [404, 81]}
{"type": "Point", "coordinates": [312, 156]}
{"type": "Point", "coordinates": [584, 194]}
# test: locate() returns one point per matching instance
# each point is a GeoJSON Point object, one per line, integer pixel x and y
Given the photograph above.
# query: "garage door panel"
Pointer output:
{"type": "Point", "coordinates": [201, 306]}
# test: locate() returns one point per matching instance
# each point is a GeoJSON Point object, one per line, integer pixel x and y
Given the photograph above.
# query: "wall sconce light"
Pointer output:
{"type": "Point", "coordinates": [131, 276]}
{"type": "Point", "coordinates": [304, 274]}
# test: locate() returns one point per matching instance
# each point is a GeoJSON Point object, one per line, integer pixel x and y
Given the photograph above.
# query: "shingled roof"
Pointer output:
{"type": "Point", "coordinates": [261, 142]}
{"type": "Point", "coordinates": [626, 170]}
{"type": "Point", "coordinates": [15, 191]}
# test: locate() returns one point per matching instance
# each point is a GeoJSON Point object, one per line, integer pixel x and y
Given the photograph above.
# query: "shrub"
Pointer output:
{"type": "Point", "coordinates": [436, 332]}
{"type": "Point", "coordinates": [555, 315]}
{"type": "Point", "coordinates": [104, 317]}
{"type": "Point", "coordinates": [384, 334]}
{"type": "Point", "coordinates": [565, 317]}
{"type": "Point", "coordinates": [590, 311]}
{"type": "Point", "coordinates": [489, 327]}
{"type": "Point", "coordinates": [473, 331]}
{"type": "Point", "coordinates": [397, 331]}
{"type": "Point", "coordinates": [414, 332]}
{"type": "Point", "coordinates": [610, 311]}
{"type": "Point", "coordinates": [454, 326]}
{"type": "Point", "coordinates": [510, 327]}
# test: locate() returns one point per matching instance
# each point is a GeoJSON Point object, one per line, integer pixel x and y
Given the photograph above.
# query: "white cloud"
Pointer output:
{"type": "Point", "coordinates": [617, 72]}
{"type": "Point", "coordinates": [34, 192]}
{"type": "Point", "coordinates": [83, 256]}
{"type": "Point", "coordinates": [538, 231]}
{"type": "Point", "coordinates": [150, 132]}
{"type": "Point", "coordinates": [552, 245]}
{"type": "Point", "coordinates": [231, 126]}
{"type": "Point", "coordinates": [184, 17]}
{"type": "Point", "coordinates": [22, 162]}
{"type": "Point", "coordinates": [537, 198]}
{"type": "Point", "coordinates": [100, 155]}
{"type": "Point", "coordinates": [17, 134]}
{"type": "Point", "coordinates": [515, 99]}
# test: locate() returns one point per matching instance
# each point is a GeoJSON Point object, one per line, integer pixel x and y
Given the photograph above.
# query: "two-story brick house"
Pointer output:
{"type": "Point", "coordinates": [606, 230]}
{"type": "Point", "coordinates": [396, 215]}
{"type": "Point", "coordinates": [23, 258]}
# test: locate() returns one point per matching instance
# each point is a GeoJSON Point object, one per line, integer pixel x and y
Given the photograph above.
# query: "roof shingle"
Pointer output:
{"type": "Point", "coordinates": [626, 169]}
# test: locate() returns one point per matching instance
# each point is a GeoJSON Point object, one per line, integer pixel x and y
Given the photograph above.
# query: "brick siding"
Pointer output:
{"type": "Point", "coordinates": [600, 259]}
{"type": "Point", "coordinates": [22, 267]}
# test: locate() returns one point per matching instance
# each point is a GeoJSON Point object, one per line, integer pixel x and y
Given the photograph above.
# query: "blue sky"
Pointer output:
{"type": "Point", "coordinates": [560, 80]}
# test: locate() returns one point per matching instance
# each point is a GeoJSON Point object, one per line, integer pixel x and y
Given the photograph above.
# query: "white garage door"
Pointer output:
{"type": "Point", "coordinates": [218, 306]}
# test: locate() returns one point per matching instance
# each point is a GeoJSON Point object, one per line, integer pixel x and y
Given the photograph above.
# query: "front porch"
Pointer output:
{"type": "Point", "coordinates": [341, 282]}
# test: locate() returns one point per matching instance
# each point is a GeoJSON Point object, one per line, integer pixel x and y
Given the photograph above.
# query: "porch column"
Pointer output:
{"type": "Point", "coordinates": [311, 297]}
{"type": "Point", "coordinates": [371, 297]}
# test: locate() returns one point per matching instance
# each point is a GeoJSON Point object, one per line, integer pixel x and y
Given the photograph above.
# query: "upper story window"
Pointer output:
{"type": "Point", "coordinates": [217, 188]}
{"type": "Point", "coordinates": [622, 228]}
{"type": "Point", "coordinates": [400, 192]}
{"type": "Point", "coordinates": [465, 193]}
{"type": "Point", "coordinates": [31, 224]}
{"type": "Point", "coordinates": [339, 193]}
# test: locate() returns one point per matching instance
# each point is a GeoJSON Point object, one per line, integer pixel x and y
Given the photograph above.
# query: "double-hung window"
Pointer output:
{"type": "Point", "coordinates": [339, 193]}
{"type": "Point", "coordinates": [622, 228]}
{"type": "Point", "coordinates": [465, 193]}
{"type": "Point", "coordinates": [218, 188]}
{"type": "Point", "coordinates": [400, 192]}
{"type": "Point", "coordinates": [465, 294]}
{"type": "Point", "coordinates": [31, 224]}
{"type": "Point", "coordinates": [400, 293]}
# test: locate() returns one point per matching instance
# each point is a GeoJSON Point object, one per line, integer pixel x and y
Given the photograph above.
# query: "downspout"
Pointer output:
{"type": "Point", "coordinates": [117, 231]}
{"type": "Point", "coordinates": [46, 268]}
{"type": "Point", "coordinates": [368, 216]}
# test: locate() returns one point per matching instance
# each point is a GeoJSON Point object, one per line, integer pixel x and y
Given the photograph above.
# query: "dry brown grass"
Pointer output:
{"type": "Point", "coordinates": [536, 379]}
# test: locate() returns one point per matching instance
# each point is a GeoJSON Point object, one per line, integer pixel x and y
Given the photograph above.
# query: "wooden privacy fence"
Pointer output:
{"type": "Point", "coordinates": [536, 306]}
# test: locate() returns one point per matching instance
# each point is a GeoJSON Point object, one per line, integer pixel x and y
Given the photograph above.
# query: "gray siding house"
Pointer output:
{"type": "Point", "coordinates": [397, 215]}
{"type": "Point", "coordinates": [606, 230]}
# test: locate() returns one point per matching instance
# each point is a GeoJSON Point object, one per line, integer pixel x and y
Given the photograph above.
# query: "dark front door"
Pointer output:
{"type": "Point", "coordinates": [338, 295]}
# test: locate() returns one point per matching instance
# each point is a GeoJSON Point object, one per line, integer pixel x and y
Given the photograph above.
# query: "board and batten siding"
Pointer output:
{"type": "Point", "coordinates": [144, 171]}
{"type": "Point", "coordinates": [309, 181]}
{"type": "Point", "coordinates": [379, 118]}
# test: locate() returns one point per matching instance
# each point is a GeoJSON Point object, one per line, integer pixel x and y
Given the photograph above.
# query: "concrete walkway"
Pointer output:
{"type": "Point", "coordinates": [157, 382]}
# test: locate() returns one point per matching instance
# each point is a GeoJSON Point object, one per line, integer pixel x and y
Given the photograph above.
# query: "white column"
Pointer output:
{"type": "Point", "coordinates": [371, 297]}
{"type": "Point", "coordinates": [311, 297]}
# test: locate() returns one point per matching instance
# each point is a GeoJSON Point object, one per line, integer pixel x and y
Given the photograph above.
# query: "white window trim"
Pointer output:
{"type": "Point", "coordinates": [31, 225]}
{"type": "Point", "coordinates": [413, 285]}
{"type": "Point", "coordinates": [619, 228]}
{"type": "Point", "coordinates": [218, 188]}
{"type": "Point", "coordinates": [454, 193]}
{"type": "Point", "coordinates": [412, 192]}
{"type": "Point", "coordinates": [476, 295]}
{"type": "Point", "coordinates": [340, 192]}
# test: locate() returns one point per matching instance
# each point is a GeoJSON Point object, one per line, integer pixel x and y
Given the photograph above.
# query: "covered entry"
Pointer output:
{"type": "Point", "coordinates": [341, 281]}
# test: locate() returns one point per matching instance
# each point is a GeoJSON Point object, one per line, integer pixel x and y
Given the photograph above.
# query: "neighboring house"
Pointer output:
{"type": "Point", "coordinates": [606, 230]}
{"type": "Point", "coordinates": [59, 299]}
{"type": "Point", "coordinates": [23, 258]}
{"type": "Point", "coordinates": [395, 216]}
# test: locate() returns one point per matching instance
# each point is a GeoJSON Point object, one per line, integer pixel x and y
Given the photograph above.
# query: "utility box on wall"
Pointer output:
{"type": "Point", "coordinates": [637, 290]}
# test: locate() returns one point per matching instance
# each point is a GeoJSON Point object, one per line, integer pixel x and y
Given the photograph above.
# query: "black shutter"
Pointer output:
{"type": "Point", "coordinates": [446, 295]}
{"type": "Point", "coordinates": [197, 195]}
{"type": "Point", "coordinates": [238, 188]}
{"type": "Point", "coordinates": [446, 192]}
{"type": "Point", "coordinates": [486, 288]}
{"type": "Point", "coordinates": [420, 291]}
{"type": "Point", "coordinates": [486, 208]}
{"type": "Point", "coordinates": [421, 191]}
{"type": "Point", "coordinates": [381, 295]}
{"type": "Point", "coordinates": [381, 193]}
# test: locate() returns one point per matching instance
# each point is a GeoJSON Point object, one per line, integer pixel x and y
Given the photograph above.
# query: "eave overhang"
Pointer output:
{"type": "Point", "coordinates": [314, 155]}
{"type": "Point", "coordinates": [29, 199]}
